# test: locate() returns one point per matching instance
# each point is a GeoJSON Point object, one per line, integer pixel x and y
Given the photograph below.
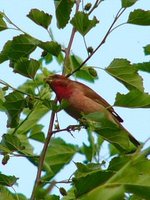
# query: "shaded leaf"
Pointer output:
{"type": "Point", "coordinates": [113, 133]}
{"type": "Point", "coordinates": [128, 3]}
{"type": "Point", "coordinates": [63, 10]}
{"type": "Point", "coordinates": [131, 177]}
{"type": "Point", "coordinates": [40, 17]}
{"type": "Point", "coordinates": [51, 47]}
{"type": "Point", "coordinates": [82, 23]}
{"type": "Point", "coordinates": [86, 73]}
{"type": "Point", "coordinates": [59, 154]}
{"type": "Point", "coordinates": [139, 17]}
{"type": "Point", "coordinates": [20, 46]}
{"type": "Point", "coordinates": [147, 49]}
{"type": "Point", "coordinates": [14, 104]}
{"type": "Point", "coordinates": [3, 25]}
{"type": "Point", "coordinates": [27, 67]}
{"type": "Point", "coordinates": [12, 142]}
{"type": "Point", "coordinates": [7, 180]}
{"type": "Point", "coordinates": [133, 99]}
{"type": "Point", "coordinates": [123, 71]}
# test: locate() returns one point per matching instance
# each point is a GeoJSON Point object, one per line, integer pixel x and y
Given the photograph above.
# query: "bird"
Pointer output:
{"type": "Point", "coordinates": [82, 100]}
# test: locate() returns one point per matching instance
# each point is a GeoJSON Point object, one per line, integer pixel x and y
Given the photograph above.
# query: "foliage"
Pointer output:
{"type": "Point", "coordinates": [127, 176]}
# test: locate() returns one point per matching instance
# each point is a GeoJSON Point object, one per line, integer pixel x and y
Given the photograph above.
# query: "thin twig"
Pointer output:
{"type": "Point", "coordinates": [101, 43]}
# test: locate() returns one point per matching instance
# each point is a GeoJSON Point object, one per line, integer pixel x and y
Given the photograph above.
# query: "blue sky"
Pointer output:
{"type": "Point", "coordinates": [125, 42]}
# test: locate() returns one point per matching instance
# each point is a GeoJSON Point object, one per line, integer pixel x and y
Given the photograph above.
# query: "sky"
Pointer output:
{"type": "Point", "coordinates": [125, 42]}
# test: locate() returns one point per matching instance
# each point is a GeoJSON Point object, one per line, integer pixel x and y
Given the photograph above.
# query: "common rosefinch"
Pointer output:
{"type": "Point", "coordinates": [83, 100]}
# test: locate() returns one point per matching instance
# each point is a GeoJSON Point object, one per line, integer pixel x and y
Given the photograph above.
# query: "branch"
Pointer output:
{"type": "Point", "coordinates": [68, 49]}
{"type": "Point", "coordinates": [43, 154]}
{"type": "Point", "coordinates": [101, 43]}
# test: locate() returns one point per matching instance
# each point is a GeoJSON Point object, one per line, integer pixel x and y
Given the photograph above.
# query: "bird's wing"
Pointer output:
{"type": "Point", "coordinates": [97, 98]}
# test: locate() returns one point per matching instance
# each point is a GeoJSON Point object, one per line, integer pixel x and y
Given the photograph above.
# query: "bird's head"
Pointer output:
{"type": "Point", "coordinates": [59, 84]}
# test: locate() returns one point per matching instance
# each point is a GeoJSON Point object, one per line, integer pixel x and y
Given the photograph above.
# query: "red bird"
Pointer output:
{"type": "Point", "coordinates": [83, 100]}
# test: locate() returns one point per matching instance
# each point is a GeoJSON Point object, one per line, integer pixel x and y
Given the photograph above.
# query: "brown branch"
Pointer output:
{"type": "Point", "coordinates": [101, 43]}
{"type": "Point", "coordinates": [43, 154]}
{"type": "Point", "coordinates": [68, 49]}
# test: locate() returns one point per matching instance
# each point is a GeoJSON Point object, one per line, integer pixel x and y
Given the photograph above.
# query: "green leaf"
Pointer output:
{"type": "Point", "coordinates": [40, 17]}
{"type": "Point", "coordinates": [85, 72]}
{"type": "Point", "coordinates": [3, 25]}
{"type": "Point", "coordinates": [82, 23]}
{"type": "Point", "coordinates": [63, 11]}
{"type": "Point", "coordinates": [112, 132]}
{"type": "Point", "coordinates": [139, 17]}
{"type": "Point", "coordinates": [59, 154]}
{"type": "Point", "coordinates": [147, 49]}
{"type": "Point", "coordinates": [133, 99]}
{"type": "Point", "coordinates": [21, 46]}
{"type": "Point", "coordinates": [6, 194]}
{"type": "Point", "coordinates": [27, 67]}
{"type": "Point", "coordinates": [7, 180]}
{"type": "Point", "coordinates": [145, 66]}
{"type": "Point", "coordinates": [12, 142]}
{"type": "Point", "coordinates": [36, 133]}
{"type": "Point", "coordinates": [123, 71]}
{"type": "Point", "coordinates": [131, 176]}
{"type": "Point", "coordinates": [89, 178]}
{"type": "Point", "coordinates": [127, 3]}
{"type": "Point", "coordinates": [51, 47]}
{"type": "Point", "coordinates": [14, 104]}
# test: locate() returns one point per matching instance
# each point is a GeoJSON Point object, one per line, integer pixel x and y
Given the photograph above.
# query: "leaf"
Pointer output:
{"type": "Point", "coordinates": [51, 47]}
{"type": "Point", "coordinates": [139, 17]}
{"type": "Point", "coordinates": [3, 25]}
{"type": "Point", "coordinates": [132, 176]}
{"type": "Point", "coordinates": [12, 142]}
{"type": "Point", "coordinates": [147, 49]}
{"type": "Point", "coordinates": [123, 71]}
{"type": "Point", "coordinates": [85, 72]}
{"type": "Point", "coordinates": [113, 133]}
{"type": "Point", "coordinates": [133, 99]}
{"type": "Point", "coordinates": [36, 133]}
{"type": "Point", "coordinates": [128, 3]}
{"type": "Point", "coordinates": [6, 194]}
{"type": "Point", "coordinates": [14, 104]}
{"type": "Point", "coordinates": [21, 46]}
{"type": "Point", "coordinates": [7, 180]}
{"type": "Point", "coordinates": [27, 67]}
{"type": "Point", "coordinates": [59, 154]}
{"type": "Point", "coordinates": [145, 66]}
{"type": "Point", "coordinates": [40, 17]}
{"type": "Point", "coordinates": [63, 10]}
{"type": "Point", "coordinates": [82, 23]}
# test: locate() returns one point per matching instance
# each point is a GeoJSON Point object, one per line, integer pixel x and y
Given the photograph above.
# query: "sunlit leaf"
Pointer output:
{"type": "Point", "coordinates": [51, 47]}
{"type": "Point", "coordinates": [27, 67]}
{"type": "Point", "coordinates": [82, 22]}
{"type": "Point", "coordinates": [133, 99]}
{"type": "Point", "coordinates": [20, 46]}
{"type": "Point", "coordinates": [14, 104]}
{"type": "Point", "coordinates": [123, 71]}
{"type": "Point", "coordinates": [128, 3]}
{"type": "Point", "coordinates": [40, 17]}
{"type": "Point", "coordinates": [139, 17]}
{"type": "Point", "coordinates": [3, 25]}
